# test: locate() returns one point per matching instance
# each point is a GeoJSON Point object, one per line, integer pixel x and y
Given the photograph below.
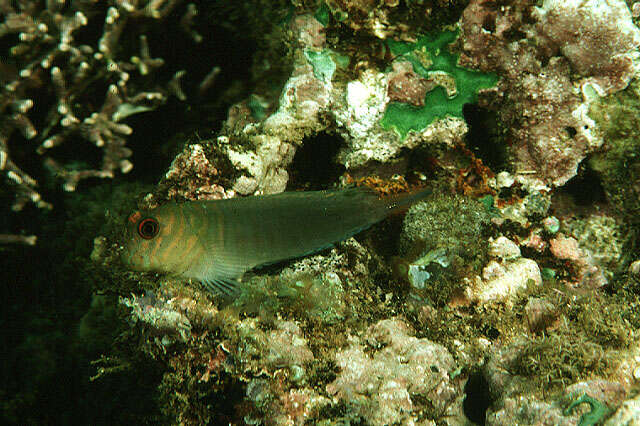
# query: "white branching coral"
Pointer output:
{"type": "Point", "coordinates": [48, 73]}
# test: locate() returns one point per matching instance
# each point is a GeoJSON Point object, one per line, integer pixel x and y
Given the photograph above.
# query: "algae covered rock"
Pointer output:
{"type": "Point", "coordinates": [618, 163]}
{"type": "Point", "coordinates": [445, 221]}
{"type": "Point", "coordinates": [444, 240]}
{"type": "Point", "coordinates": [387, 376]}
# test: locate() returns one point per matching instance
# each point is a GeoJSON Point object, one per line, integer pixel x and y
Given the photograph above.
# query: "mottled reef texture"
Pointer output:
{"type": "Point", "coordinates": [511, 295]}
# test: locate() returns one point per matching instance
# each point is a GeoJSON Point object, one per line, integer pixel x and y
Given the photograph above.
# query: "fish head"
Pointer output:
{"type": "Point", "coordinates": [148, 241]}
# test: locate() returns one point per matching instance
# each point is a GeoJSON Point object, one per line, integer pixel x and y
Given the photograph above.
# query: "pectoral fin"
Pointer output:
{"type": "Point", "coordinates": [219, 285]}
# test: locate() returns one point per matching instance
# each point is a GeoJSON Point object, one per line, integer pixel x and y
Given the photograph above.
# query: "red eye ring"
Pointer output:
{"type": "Point", "coordinates": [148, 228]}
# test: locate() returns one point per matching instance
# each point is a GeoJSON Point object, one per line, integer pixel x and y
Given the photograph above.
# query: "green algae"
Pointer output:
{"type": "Point", "coordinates": [428, 55]}
{"type": "Point", "coordinates": [547, 273]}
{"type": "Point", "coordinates": [599, 410]}
{"type": "Point", "coordinates": [257, 106]}
{"type": "Point", "coordinates": [323, 65]}
{"type": "Point", "coordinates": [489, 203]}
{"type": "Point", "coordinates": [322, 14]}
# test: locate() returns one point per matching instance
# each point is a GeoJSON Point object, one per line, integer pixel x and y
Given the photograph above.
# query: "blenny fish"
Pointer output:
{"type": "Point", "coordinates": [216, 242]}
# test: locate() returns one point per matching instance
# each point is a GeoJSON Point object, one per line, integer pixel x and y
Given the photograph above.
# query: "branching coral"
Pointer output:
{"type": "Point", "coordinates": [53, 76]}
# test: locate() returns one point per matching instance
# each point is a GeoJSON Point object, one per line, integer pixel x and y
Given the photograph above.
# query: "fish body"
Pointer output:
{"type": "Point", "coordinates": [217, 241]}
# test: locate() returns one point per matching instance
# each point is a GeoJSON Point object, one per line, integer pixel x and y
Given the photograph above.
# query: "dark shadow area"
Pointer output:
{"type": "Point", "coordinates": [314, 166]}
{"type": "Point", "coordinates": [483, 137]}
{"type": "Point", "coordinates": [585, 189]}
{"type": "Point", "coordinates": [477, 400]}
{"type": "Point", "coordinates": [48, 332]}
{"type": "Point", "coordinates": [159, 135]}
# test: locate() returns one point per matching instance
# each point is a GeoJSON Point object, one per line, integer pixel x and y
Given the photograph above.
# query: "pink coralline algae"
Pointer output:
{"type": "Point", "coordinates": [392, 383]}
{"type": "Point", "coordinates": [597, 37]}
{"type": "Point", "coordinates": [191, 177]}
{"type": "Point", "coordinates": [537, 51]}
{"type": "Point", "coordinates": [589, 275]}
{"type": "Point", "coordinates": [406, 86]}
{"type": "Point", "coordinates": [565, 248]}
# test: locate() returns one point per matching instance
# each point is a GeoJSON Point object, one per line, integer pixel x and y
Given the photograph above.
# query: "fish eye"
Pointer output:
{"type": "Point", "coordinates": [148, 228]}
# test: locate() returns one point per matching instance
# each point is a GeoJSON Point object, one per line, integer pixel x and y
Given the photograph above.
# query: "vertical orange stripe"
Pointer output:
{"type": "Point", "coordinates": [166, 221]}
{"type": "Point", "coordinates": [192, 255]}
{"type": "Point", "coordinates": [176, 237]}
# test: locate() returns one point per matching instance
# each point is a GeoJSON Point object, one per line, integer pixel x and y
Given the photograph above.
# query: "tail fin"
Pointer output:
{"type": "Point", "coordinates": [399, 203]}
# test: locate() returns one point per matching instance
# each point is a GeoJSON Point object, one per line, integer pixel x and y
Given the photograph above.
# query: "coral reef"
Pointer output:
{"type": "Point", "coordinates": [441, 87]}
{"type": "Point", "coordinates": [363, 110]}
{"type": "Point", "coordinates": [507, 289]}
{"type": "Point", "coordinates": [510, 295]}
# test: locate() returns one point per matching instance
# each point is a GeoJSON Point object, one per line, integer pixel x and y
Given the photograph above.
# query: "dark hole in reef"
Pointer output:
{"type": "Point", "coordinates": [571, 131]}
{"type": "Point", "coordinates": [544, 60]}
{"type": "Point", "coordinates": [225, 402]}
{"type": "Point", "coordinates": [527, 16]}
{"type": "Point", "coordinates": [483, 138]}
{"type": "Point", "coordinates": [514, 35]}
{"type": "Point", "coordinates": [476, 401]}
{"type": "Point", "coordinates": [585, 189]}
{"type": "Point", "coordinates": [489, 23]}
{"type": "Point", "coordinates": [314, 166]}
{"type": "Point", "coordinates": [492, 333]}
{"type": "Point", "coordinates": [493, 6]}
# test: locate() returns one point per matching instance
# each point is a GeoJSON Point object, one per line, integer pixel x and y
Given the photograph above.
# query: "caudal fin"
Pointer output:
{"type": "Point", "coordinates": [401, 202]}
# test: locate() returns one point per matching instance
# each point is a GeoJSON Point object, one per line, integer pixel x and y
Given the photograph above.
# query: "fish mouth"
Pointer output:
{"type": "Point", "coordinates": [130, 258]}
{"type": "Point", "coordinates": [135, 259]}
{"type": "Point", "coordinates": [125, 257]}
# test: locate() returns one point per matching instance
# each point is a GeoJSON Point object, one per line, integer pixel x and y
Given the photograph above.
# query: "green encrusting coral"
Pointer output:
{"type": "Point", "coordinates": [429, 55]}
{"type": "Point", "coordinates": [325, 62]}
{"type": "Point", "coordinates": [598, 412]}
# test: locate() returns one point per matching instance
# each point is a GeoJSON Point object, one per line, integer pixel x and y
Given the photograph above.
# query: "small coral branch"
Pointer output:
{"type": "Point", "coordinates": [29, 240]}
{"type": "Point", "coordinates": [50, 60]}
